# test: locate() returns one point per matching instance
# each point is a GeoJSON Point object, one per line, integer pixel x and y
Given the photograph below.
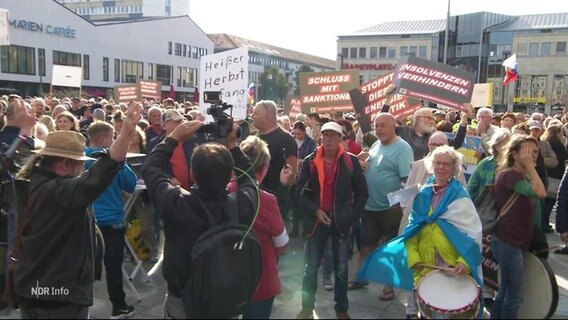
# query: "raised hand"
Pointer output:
{"type": "Point", "coordinates": [186, 130]}
{"type": "Point", "coordinates": [133, 116]}
{"type": "Point", "coordinates": [23, 117]}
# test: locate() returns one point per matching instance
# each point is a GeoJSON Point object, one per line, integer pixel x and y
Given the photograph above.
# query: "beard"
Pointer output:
{"type": "Point", "coordinates": [426, 129]}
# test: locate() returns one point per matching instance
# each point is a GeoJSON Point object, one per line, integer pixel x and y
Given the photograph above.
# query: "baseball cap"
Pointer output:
{"type": "Point", "coordinates": [332, 126]}
{"type": "Point", "coordinates": [535, 124]}
{"type": "Point", "coordinates": [172, 114]}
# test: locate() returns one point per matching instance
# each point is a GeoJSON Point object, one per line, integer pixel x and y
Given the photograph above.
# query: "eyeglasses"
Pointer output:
{"type": "Point", "coordinates": [436, 144]}
{"type": "Point", "coordinates": [439, 164]}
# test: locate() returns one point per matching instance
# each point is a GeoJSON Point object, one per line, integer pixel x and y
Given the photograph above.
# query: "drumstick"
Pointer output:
{"type": "Point", "coordinates": [548, 249]}
{"type": "Point", "coordinates": [437, 267]}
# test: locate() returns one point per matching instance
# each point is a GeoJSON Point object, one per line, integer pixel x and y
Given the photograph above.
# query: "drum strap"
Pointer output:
{"type": "Point", "coordinates": [508, 204]}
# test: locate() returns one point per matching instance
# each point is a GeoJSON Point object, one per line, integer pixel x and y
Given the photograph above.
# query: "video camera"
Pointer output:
{"type": "Point", "coordinates": [223, 123]}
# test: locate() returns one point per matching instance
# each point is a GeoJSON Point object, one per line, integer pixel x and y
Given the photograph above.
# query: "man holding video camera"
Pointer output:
{"type": "Point", "coordinates": [182, 211]}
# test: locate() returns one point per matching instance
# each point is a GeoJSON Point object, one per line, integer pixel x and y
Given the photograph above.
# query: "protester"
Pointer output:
{"type": "Point", "coordinates": [283, 152]}
{"type": "Point", "coordinates": [108, 209]}
{"type": "Point", "coordinates": [332, 196]}
{"type": "Point", "coordinates": [269, 229]}
{"type": "Point", "coordinates": [211, 170]}
{"type": "Point", "coordinates": [67, 121]}
{"type": "Point", "coordinates": [59, 235]}
{"type": "Point", "coordinates": [553, 136]}
{"type": "Point", "coordinates": [514, 229]}
{"type": "Point", "coordinates": [388, 166]}
{"type": "Point", "coordinates": [446, 203]}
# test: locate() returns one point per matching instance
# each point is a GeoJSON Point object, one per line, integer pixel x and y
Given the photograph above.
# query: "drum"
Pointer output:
{"type": "Point", "coordinates": [540, 289]}
{"type": "Point", "coordinates": [455, 296]}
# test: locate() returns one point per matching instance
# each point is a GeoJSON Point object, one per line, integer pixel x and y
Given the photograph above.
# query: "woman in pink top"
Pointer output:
{"type": "Point", "coordinates": [269, 229]}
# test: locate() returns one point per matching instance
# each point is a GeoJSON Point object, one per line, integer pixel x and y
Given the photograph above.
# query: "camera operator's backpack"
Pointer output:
{"type": "Point", "coordinates": [226, 267]}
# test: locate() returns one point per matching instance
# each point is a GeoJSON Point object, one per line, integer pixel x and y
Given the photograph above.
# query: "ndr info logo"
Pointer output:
{"type": "Point", "coordinates": [49, 291]}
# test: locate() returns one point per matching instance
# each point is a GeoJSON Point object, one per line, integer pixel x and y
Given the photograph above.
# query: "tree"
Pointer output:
{"type": "Point", "coordinates": [302, 68]}
{"type": "Point", "coordinates": [273, 85]}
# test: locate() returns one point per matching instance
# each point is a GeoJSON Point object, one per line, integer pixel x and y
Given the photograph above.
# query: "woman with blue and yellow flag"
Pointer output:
{"type": "Point", "coordinates": [444, 231]}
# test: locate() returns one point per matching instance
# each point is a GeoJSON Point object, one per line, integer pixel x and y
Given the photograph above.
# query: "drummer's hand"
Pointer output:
{"type": "Point", "coordinates": [564, 236]}
{"type": "Point", "coordinates": [460, 269]}
{"type": "Point", "coordinates": [417, 267]}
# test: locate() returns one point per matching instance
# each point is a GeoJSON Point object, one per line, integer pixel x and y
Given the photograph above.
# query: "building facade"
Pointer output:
{"type": "Point", "coordinates": [104, 10]}
{"type": "Point", "coordinates": [263, 56]}
{"type": "Point", "coordinates": [110, 54]}
{"type": "Point", "coordinates": [477, 42]}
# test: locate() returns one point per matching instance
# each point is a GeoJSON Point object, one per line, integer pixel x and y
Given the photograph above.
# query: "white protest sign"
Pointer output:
{"type": "Point", "coordinates": [226, 72]}
{"type": "Point", "coordinates": [4, 24]}
{"type": "Point", "coordinates": [66, 76]}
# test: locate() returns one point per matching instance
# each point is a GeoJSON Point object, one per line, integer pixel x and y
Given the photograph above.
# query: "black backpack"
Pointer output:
{"type": "Point", "coordinates": [226, 267]}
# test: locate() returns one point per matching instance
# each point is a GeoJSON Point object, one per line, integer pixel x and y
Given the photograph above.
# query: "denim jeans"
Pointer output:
{"type": "Point", "coordinates": [114, 254]}
{"type": "Point", "coordinates": [510, 295]}
{"type": "Point", "coordinates": [327, 260]}
{"type": "Point", "coordinates": [313, 252]}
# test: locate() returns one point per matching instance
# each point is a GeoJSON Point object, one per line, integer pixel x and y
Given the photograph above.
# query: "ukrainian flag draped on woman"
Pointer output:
{"type": "Point", "coordinates": [388, 263]}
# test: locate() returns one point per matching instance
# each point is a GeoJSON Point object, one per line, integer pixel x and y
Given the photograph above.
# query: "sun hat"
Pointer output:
{"type": "Point", "coordinates": [65, 144]}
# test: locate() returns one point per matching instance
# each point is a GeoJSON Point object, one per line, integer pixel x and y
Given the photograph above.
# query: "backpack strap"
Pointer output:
{"type": "Point", "coordinates": [210, 219]}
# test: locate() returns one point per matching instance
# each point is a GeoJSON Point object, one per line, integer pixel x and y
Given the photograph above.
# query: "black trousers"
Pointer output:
{"type": "Point", "coordinates": [114, 255]}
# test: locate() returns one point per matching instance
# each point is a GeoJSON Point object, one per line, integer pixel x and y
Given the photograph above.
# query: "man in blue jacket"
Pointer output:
{"type": "Point", "coordinates": [109, 214]}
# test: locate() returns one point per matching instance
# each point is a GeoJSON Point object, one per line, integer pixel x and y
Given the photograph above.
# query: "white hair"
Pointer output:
{"type": "Point", "coordinates": [485, 110]}
{"type": "Point", "coordinates": [420, 112]}
{"type": "Point", "coordinates": [450, 151]}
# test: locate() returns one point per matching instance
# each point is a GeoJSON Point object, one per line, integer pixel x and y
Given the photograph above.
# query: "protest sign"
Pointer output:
{"type": "Point", "coordinates": [433, 81]}
{"type": "Point", "coordinates": [150, 89]}
{"type": "Point", "coordinates": [226, 72]}
{"type": "Point", "coordinates": [469, 149]}
{"type": "Point", "coordinates": [66, 76]}
{"type": "Point", "coordinates": [4, 28]}
{"type": "Point", "coordinates": [482, 95]}
{"type": "Point", "coordinates": [295, 107]}
{"type": "Point", "coordinates": [369, 98]}
{"type": "Point", "coordinates": [327, 91]}
{"type": "Point", "coordinates": [127, 93]}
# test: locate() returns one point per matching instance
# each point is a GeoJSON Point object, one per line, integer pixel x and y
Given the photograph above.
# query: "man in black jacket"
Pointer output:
{"type": "Point", "coordinates": [332, 194]}
{"type": "Point", "coordinates": [181, 210]}
{"type": "Point", "coordinates": [54, 274]}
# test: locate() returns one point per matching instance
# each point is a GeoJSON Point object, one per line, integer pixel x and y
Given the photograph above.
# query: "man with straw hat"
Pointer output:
{"type": "Point", "coordinates": [55, 236]}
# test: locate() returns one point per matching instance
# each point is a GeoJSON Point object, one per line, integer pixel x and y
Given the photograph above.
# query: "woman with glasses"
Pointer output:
{"type": "Point", "coordinates": [444, 229]}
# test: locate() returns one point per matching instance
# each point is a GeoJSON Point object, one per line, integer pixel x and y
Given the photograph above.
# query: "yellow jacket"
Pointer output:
{"type": "Point", "coordinates": [422, 247]}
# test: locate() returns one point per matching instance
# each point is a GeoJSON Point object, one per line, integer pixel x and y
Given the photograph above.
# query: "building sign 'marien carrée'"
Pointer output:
{"type": "Point", "coordinates": [66, 32]}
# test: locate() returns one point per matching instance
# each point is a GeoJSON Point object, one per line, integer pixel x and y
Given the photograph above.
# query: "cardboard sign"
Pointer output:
{"type": "Point", "coordinates": [66, 76]}
{"type": "Point", "coordinates": [369, 98]}
{"type": "Point", "coordinates": [433, 81]}
{"type": "Point", "coordinates": [150, 89]}
{"type": "Point", "coordinates": [226, 72]}
{"type": "Point", "coordinates": [489, 265]}
{"type": "Point", "coordinates": [482, 95]}
{"type": "Point", "coordinates": [327, 91]}
{"type": "Point", "coordinates": [469, 149]}
{"type": "Point", "coordinates": [127, 93]}
{"type": "Point", "coordinates": [295, 107]}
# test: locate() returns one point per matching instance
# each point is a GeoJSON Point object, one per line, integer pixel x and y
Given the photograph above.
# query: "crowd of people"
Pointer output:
{"type": "Point", "coordinates": [321, 177]}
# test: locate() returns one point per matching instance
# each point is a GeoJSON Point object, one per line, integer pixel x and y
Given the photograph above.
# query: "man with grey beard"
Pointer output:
{"type": "Point", "coordinates": [423, 125]}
